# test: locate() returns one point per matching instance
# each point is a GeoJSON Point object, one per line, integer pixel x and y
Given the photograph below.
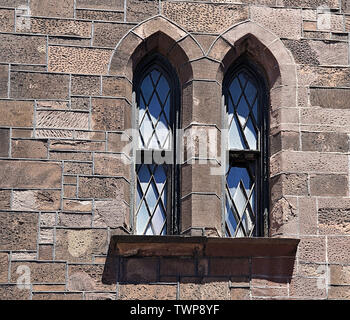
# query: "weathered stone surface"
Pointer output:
{"type": "Point", "coordinates": [72, 220]}
{"type": "Point", "coordinates": [4, 265]}
{"type": "Point", "coordinates": [209, 289]}
{"type": "Point", "coordinates": [12, 292]}
{"type": "Point", "coordinates": [117, 87]}
{"type": "Point", "coordinates": [315, 52]}
{"type": "Point", "coordinates": [311, 288]}
{"type": "Point", "coordinates": [46, 236]}
{"type": "Point", "coordinates": [43, 200]}
{"type": "Point", "coordinates": [109, 34]}
{"type": "Point", "coordinates": [111, 165]}
{"type": "Point", "coordinates": [147, 292]}
{"type": "Point", "coordinates": [78, 60]}
{"type": "Point", "coordinates": [18, 231]}
{"type": "Point", "coordinates": [76, 245]}
{"type": "Point", "coordinates": [204, 17]}
{"type": "Point", "coordinates": [4, 75]}
{"type": "Point", "coordinates": [59, 145]}
{"type": "Point", "coordinates": [30, 174]}
{"type": "Point", "coordinates": [329, 185]}
{"type": "Point", "coordinates": [100, 15]}
{"type": "Point", "coordinates": [77, 206]}
{"type": "Point", "coordinates": [110, 114]}
{"type": "Point", "coordinates": [325, 141]}
{"type": "Point", "coordinates": [332, 98]}
{"type": "Point", "coordinates": [138, 10]}
{"type": "Point", "coordinates": [103, 188]}
{"type": "Point", "coordinates": [5, 199]}
{"type": "Point", "coordinates": [27, 85]}
{"type": "Point", "coordinates": [310, 3]}
{"type": "Point", "coordinates": [101, 4]}
{"type": "Point", "coordinates": [86, 85]}
{"type": "Point", "coordinates": [284, 217]}
{"type": "Point", "coordinates": [46, 252]}
{"type": "Point", "coordinates": [87, 278]}
{"type": "Point", "coordinates": [60, 27]}
{"type": "Point", "coordinates": [114, 213]}
{"type": "Point", "coordinates": [81, 168]}
{"type": "Point", "coordinates": [29, 149]}
{"type": "Point", "coordinates": [22, 49]}
{"type": "Point", "coordinates": [7, 20]}
{"type": "Point", "coordinates": [275, 21]}
{"type": "Point", "coordinates": [16, 113]}
{"type": "Point", "coordinates": [57, 296]}
{"type": "Point", "coordinates": [52, 8]}
{"type": "Point", "coordinates": [4, 142]}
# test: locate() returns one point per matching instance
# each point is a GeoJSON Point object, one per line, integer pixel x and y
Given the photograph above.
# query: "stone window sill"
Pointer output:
{"type": "Point", "coordinates": [172, 246]}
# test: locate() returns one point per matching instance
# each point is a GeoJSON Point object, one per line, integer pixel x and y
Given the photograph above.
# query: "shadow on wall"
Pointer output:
{"type": "Point", "coordinates": [174, 267]}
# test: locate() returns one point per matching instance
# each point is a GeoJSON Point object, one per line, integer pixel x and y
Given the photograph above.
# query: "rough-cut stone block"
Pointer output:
{"type": "Point", "coordinates": [103, 188]}
{"type": "Point", "coordinates": [78, 60]}
{"type": "Point", "coordinates": [30, 174]}
{"type": "Point", "coordinates": [117, 87]}
{"type": "Point", "coordinates": [329, 185]}
{"type": "Point", "coordinates": [110, 114]}
{"type": "Point", "coordinates": [16, 113]}
{"type": "Point", "coordinates": [100, 15]}
{"type": "Point", "coordinates": [332, 98]}
{"type": "Point", "coordinates": [307, 216]}
{"type": "Point", "coordinates": [4, 265]}
{"type": "Point", "coordinates": [71, 220]}
{"type": "Point", "coordinates": [59, 145]}
{"type": "Point", "coordinates": [4, 142]}
{"type": "Point", "coordinates": [29, 149]}
{"type": "Point", "coordinates": [29, 85]}
{"type": "Point", "coordinates": [13, 292]}
{"type": "Point", "coordinates": [312, 249]}
{"type": "Point", "coordinates": [209, 18]}
{"type": "Point", "coordinates": [86, 85]}
{"type": "Point", "coordinates": [116, 142]}
{"type": "Point", "coordinates": [315, 52]}
{"type": "Point", "coordinates": [33, 200]}
{"type": "Point", "coordinates": [41, 272]}
{"type": "Point", "coordinates": [62, 120]}
{"type": "Point", "coordinates": [59, 27]}
{"type": "Point", "coordinates": [22, 49]}
{"type": "Point", "coordinates": [76, 245]}
{"type": "Point", "coordinates": [208, 289]}
{"type": "Point", "coordinates": [7, 20]}
{"type": "Point", "coordinates": [109, 34]}
{"type": "Point", "coordinates": [333, 216]}
{"type": "Point", "coordinates": [87, 278]}
{"type": "Point", "coordinates": [307, 288]}
{"type": "Point", "coordinates": [77, 206]}
{"type": "Point", "coordinates": [52, 8]}
{"type": "Point", "coordinates": [138, 10]}
{"type": "Point", "coordinates": [288, 184]}
{"type": "Point", "coordinates": [5, 199]}
{"type": "Point", "coordinates": [18, 231]}
{"type": "Point", "coordinates": [275, 21]}
{"type": "Point", "coordinates": [147, 292]}
{"type": "Point", "coordinates": [101, 4]}
{"type": "Point", "coordinates": [334, 4]}
{"type": "Point", "coordinates": [111, 165]}
{"type": "Point", "coordinates": [325, 141]}
{"type": "Point", "coordinates": [4, 75]}
{"type": "Point", "coordinates": [79, 168]}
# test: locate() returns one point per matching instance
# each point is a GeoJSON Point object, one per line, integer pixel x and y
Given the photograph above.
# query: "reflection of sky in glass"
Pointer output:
{"type": "Point", "coordinates": [151, 200]}
{"type": "Point", "coordinates": [154, 111]}
{"type": "Point", "coordinates": [242, 109]}
{"type": "Point", "coordinates": [239, 184]}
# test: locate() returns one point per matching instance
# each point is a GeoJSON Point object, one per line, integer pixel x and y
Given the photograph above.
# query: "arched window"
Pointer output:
{"type": "Point", "coordinates": [157, 96]}
{"type": "Point", "coordinates": [246, 180]}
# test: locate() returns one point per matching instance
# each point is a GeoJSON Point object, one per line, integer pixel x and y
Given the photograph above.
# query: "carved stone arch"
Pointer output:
{"type": "Point", "coordinates": [266, 50]}
{"type": "Point", "coordinates": [155, 35]}
{"type": "Point", "coordinates": [268, 53]}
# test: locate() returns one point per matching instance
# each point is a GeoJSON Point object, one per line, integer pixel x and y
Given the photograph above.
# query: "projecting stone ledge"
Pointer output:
{"type": "Point", "coordinates": [172, 246]}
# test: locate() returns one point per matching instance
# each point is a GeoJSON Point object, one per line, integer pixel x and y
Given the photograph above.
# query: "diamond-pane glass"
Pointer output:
{"type": "Point", "coordinates": [240, 210]}
{"type": "Point", "coordinates": [242, 108]}
{"type": "Point", "coordinates": [154, 111]}
{"type": "Point", "coordinates": [151, 200]}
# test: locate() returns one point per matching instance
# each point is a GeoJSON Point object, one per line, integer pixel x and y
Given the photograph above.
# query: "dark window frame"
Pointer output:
{"type": "Point", "coordinates": [150, 62]}
{"type": "Point", "coordinates": [240, 158]}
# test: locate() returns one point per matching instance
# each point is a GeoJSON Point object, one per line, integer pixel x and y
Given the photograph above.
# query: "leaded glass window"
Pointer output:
{"type": "Point", "coordinates": [246, 187]}
{"type": "Point", "coordinates": [156, 98]}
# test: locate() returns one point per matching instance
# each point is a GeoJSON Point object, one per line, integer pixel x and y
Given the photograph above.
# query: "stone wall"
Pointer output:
{"type": "Point", "coordinates": [66, 74]}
